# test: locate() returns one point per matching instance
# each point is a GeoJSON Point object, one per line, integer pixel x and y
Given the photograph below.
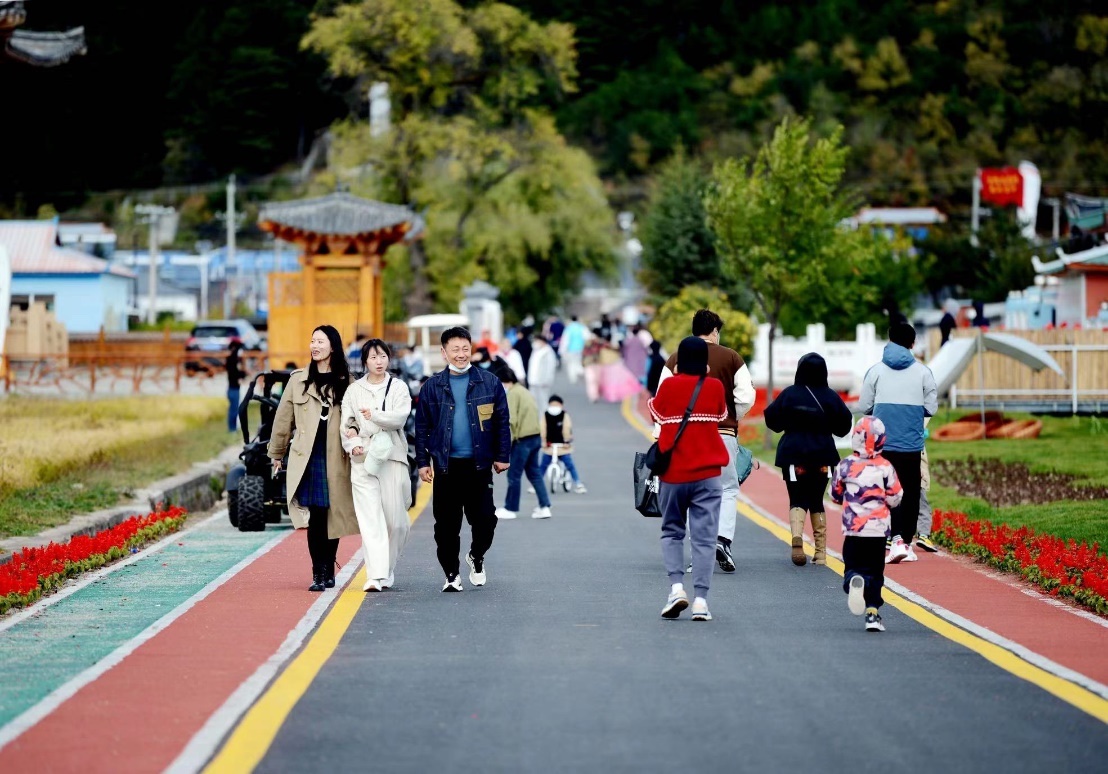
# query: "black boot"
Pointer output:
{"type": "Point", "coordinates": [317, 580]}
{"type": "Point", "coordinates": [329, 576]}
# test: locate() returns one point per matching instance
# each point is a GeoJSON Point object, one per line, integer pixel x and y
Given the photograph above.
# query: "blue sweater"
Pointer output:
{"type": "Point", "coordinates": [461, 439]}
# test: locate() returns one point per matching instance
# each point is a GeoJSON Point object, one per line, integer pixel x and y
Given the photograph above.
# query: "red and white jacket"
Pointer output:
{"type": "Point", "coordinates": [701, 453]}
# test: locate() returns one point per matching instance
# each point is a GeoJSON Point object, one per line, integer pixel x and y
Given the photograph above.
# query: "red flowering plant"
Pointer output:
{"type": "Point", "coordinates": [1060, 567]}
{"type": "Point", "coordinates": [34, 572]}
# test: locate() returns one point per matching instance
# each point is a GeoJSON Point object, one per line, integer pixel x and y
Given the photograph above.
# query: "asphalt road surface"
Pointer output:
{"type": "Point", "coordinates": [562, 663]}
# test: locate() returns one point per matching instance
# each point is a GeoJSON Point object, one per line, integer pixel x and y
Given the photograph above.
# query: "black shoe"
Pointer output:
{"type": "Point", "coordinates": [329, 576]}
{"type": "Point", "coordinates": [317, 581]}
{"type": "Point", "coordinates": [723, 556]}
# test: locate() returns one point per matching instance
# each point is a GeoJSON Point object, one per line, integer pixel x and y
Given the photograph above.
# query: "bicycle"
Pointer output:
{"type": "Point", "coordinates": [557, 474]}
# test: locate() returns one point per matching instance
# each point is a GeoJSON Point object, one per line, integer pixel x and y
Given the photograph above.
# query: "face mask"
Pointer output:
{"type": "Point", "coordinates": [554, 411]}
{"type": "Point", "coordinates": [460, 371]}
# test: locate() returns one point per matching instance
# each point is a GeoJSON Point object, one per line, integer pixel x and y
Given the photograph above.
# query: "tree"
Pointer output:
{"type": "Point", "coordinates": [673, 321]}
{"type": "Point", "coordinates": [678, 247]}
{"type": "Point", "coordinates": [472, 145]}
{"type": "Point", "coordinates": [777, 220]}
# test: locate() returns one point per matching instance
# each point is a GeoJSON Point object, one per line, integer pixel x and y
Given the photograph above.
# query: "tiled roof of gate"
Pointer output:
{"type": "Point", "coordinates": [338, 214]}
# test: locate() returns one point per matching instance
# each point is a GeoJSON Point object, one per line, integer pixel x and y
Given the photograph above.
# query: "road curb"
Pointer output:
{"type": "Point", "coordinates": [193, 490]}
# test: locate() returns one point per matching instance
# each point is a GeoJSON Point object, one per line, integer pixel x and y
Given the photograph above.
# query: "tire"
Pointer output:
{"type": "Point", "coordinates": [252, 504]}
{"type": "Point", "coordinates": [233, 507]}
{"type": "Point", "coordinates": [273, 514]}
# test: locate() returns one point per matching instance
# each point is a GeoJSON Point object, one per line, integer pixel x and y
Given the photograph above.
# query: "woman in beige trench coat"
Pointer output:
{"type": "Point", "coordinates": [318, 478]}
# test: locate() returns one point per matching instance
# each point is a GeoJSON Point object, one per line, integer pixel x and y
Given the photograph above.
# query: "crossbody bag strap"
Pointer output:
{"type": "Point", "coordinates": [384, 400]}
{"type": "Point", "coordinates": [818, 404]}
{"type": "Point", "coordinates": [688, 412]}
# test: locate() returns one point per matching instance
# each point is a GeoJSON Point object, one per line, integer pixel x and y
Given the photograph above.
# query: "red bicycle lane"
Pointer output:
{"type": "Point", "coordinates": [139, 715]}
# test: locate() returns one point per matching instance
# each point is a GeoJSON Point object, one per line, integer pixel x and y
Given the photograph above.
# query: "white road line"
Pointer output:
{"type": "Point", "coordinates": [51, 702]}
{"type": "Point", "coordinates": [1030, 656]}
{"type": "Point", "coordinates": [207, 740]}
{"type": "Point", "coordinates": [71, 588]}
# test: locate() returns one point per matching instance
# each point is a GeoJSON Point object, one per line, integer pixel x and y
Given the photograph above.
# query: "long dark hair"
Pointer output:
{"type": "Point", "coordinates": [331, 386]}
{"type": "Point", "coordinates": [371, 345]}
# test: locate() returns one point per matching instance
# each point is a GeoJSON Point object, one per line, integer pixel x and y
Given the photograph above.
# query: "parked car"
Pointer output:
{"type": "Point", "coordinates": [215, 336]}
{"type": "Point", "coordinates": [256, 497]}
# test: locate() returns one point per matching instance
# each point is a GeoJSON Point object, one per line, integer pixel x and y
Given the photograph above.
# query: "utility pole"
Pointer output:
{"type": "Point", "coordinates": [153, 214]}
{"type": "Point", "coordinates": [232, 261]}
{"type": "Point", "coordinates": [975, 212]}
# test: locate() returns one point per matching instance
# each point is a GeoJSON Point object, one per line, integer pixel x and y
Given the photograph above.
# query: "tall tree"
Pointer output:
{"type": "Point", "coordinates": [472, 144]}
{"type": "Point", "coordinates": [777, 220]}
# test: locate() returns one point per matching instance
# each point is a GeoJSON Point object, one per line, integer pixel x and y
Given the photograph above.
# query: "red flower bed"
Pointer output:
{"type": "Point", "coordinates": [34, 572]}
{"type": "Point", "coordinates": [1060, 567]}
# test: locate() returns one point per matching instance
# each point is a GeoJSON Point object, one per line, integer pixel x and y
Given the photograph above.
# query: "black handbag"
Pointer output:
{"type": "Point", "coordinates": [657, 460]}
{"type": "Point", "coordinates": [646, 488]}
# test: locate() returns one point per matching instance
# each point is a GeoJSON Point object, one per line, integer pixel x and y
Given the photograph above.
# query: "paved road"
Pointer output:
{"type": "Point", "coordinates": [562, 663]}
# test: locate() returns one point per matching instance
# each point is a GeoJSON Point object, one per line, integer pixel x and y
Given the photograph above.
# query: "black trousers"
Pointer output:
{"type": "Point", "coordinates": [807, 491]}
{"type": "Point", "coordinates": [907, 467]}
{"type": "Point", "coordinates": [462, 490]}
{"type": "Point", "coordinates": [323, 549]}
{"type": "Point", "coordinates": [865, 556]}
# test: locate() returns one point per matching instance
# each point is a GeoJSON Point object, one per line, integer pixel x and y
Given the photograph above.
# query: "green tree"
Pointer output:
{"type": "Point", "coordinates": [777, 220]}
{"type": "Point", "coordinates": [472, 145]}
{"type": "Point", "coordinates": [678, 247]}
{"type": "Point", "coordinates": [673, 320]}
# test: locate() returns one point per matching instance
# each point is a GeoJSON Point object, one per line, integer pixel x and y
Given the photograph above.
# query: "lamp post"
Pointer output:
{"type": "Point", "coordinates": [163, 227]}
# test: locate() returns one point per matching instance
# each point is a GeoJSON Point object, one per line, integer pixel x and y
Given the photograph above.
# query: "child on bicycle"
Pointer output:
{"type": "Point", "coordinates": [556, 429]}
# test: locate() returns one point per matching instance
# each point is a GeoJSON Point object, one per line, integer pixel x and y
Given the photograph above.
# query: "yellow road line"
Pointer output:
{"type": "Point", "coordinates": [1072, 694]}
{"type": "Point", "coordinates": [252, 737]}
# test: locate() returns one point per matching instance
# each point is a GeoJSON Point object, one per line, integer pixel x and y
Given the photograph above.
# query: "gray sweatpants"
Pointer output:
{"type": "Point", "coordinates": [923, 523]}
{"type": "Point", "coordinates": [700, 500]}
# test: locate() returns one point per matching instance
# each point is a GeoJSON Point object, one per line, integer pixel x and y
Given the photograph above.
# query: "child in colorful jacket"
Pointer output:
{"type": "Point", "coordinates": [866, 486]}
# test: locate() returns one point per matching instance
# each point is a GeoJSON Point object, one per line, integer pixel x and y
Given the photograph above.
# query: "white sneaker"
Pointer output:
{"type": "Point", "coordinates": [855, 599]}
{"type": "Point", "coordinates": [897, 552]}
{"type": "Point", "coordinates": [911, 557]}
{"type": "Point", "coordinates": [388, 583]}
{"type": "Point", "coordinates": [541, 513]}
{"type": "Point", "coordinates": [677, 602]}
{"type": "Point", "coordinates": [581, 489]}
{"type": "Point", "coordinates": [530, 489]}
{"type": "Point", "coordinates": [453, 583]}
{"type": "Point", "coordinates": [504, 513]}
{"type": "Point", "coordinates": [476, 570]}
{"type": "Point", "coordinates": [373, 584]}
{"type": "Point", "coordinates": [700, 610]}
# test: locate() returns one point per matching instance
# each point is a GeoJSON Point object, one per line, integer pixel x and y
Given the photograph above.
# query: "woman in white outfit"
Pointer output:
{"type": "Point", "coordinates": [373, 405]}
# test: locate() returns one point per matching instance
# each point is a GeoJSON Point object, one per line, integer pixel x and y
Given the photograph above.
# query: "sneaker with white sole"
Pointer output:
{"type": "Point", "coordinates": [911, 557]}
{"type": "Point", "coordinates": [453, 583]}
{"type": "Point", "coordinates": [925, 542]}
{"type": "Point", "coordinates": [855, 597]}
{"type": "Point", "coordinates": [530, 489]}
{"type": "Point", "coordinates": [541, 513]}
{"type": "Point", "coordinates": [677, 602]}
{"type": "Point", "coordinates": [723, 557]}
{"type": "Point", "coordinates": [504, 513]}
{"type": "Point", "coordinates": [897, 552]}
{"type": "Point", "coordinates": [581, 489]}
{"type": "Point", "coordinates": [476, 570]}
{"type": "Point", "coordinates": [389, 581]}
{"type": "Point", "coordinates": [873, 620]}
{"type": "Point", "coordinates": [700, 610]}
{"type": "Point", "coordinates": [374, 584]}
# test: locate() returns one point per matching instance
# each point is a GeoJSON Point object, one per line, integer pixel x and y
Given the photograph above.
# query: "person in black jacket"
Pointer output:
{"type": "Point", "coordinates": [809, 413]}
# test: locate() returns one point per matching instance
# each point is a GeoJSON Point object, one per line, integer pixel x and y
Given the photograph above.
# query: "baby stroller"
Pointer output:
{"type": "Point", "coordinates": [256, 497]}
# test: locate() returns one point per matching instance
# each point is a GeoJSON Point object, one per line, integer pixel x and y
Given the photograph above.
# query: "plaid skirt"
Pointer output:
{"type": "Point", "coordinates": [312, 491]}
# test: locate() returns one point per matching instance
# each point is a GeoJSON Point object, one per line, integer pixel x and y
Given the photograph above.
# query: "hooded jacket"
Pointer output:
{"type": "Point", "coordinates": [900, 392]}
{"type": "Point", "coordinates": [810, 414]}
{"type": "Point", "coordinates": [865, 483]}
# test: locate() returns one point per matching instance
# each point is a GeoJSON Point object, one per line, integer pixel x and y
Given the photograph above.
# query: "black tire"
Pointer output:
{"type": "Point", "coordinates": [233, 508]}
{"type": "Point", "coordinates": [567, 483]}
{"type": "Point", "coordinates": [273, 514]}
{"type": "Point", "coordinates": [251, 504]}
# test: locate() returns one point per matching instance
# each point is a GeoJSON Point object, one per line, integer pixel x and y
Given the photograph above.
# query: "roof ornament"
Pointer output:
{"type": "Point", "coordinates": [40, 49]}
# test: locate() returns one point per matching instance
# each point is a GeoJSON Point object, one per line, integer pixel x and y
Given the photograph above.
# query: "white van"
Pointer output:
{"type": "Point", "coordinates": [424, 332]}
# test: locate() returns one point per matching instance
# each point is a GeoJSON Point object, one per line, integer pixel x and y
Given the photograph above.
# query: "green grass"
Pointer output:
{"type": "Point", "coordinates": [1074, 445]}
{"type": "Point", "coordinates": [108, 481]}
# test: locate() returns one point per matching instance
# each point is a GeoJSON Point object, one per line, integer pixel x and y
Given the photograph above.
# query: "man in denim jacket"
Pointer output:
{"type": "Point", "coordinates": [462, 436]}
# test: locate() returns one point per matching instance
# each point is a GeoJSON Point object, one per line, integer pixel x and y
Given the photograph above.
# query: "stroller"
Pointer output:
{"type": "Point", "coordinates": [256, 497]}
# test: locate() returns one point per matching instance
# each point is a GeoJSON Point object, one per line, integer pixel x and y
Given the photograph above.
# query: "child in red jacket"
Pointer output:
{"type": "Point", "coordinates": [692, 484]}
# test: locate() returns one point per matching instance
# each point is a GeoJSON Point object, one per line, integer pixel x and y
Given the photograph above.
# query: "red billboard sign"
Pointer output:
{"type": "Point", "coordinates": [1002, 186]}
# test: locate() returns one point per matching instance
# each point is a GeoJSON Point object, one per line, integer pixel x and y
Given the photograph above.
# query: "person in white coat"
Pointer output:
{"type": "Point", "coordinates": [541, 370]}
{"type": "Point", "coordinates": [376, 407]}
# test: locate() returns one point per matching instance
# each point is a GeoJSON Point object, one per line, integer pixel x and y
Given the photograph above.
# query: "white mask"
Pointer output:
{"type": "Point", "coordinates": [455, 370]}
{"type": "Point", "coordinates": [554, 411]}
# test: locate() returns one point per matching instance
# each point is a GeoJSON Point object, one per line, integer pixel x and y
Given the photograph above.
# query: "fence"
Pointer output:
{"type": "Point", "coordinates": [1006, 384]}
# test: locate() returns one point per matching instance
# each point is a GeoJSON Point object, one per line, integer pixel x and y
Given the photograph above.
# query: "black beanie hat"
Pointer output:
{"type": "Point", "coordinates": [692, 356]}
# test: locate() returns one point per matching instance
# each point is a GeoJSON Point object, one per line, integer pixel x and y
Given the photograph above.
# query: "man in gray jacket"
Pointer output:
{"type": "Point", "coordinates": [901, 392]}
